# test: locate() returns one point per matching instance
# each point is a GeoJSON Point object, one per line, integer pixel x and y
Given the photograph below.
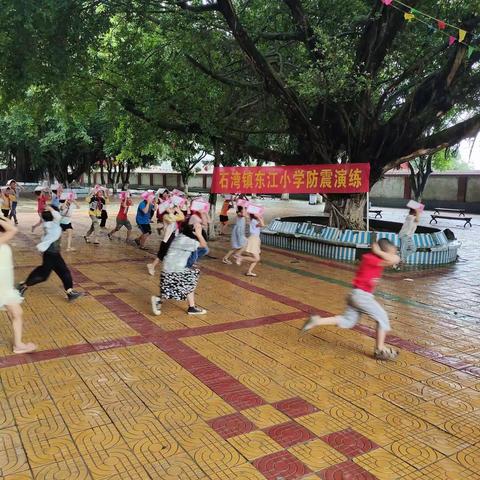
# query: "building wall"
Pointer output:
{"type": "Point", "coordinates": [441, 188]}
{"type": "Point", "coordinates": [473, 189]}
{"type": "Point", "coordinates": [449, 190]}
{"type": "Point", "coordinates": [389, 187]}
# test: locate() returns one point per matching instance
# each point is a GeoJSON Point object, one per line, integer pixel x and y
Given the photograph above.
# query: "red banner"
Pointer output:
{"type": "Point", "coordinates": [338, 178]}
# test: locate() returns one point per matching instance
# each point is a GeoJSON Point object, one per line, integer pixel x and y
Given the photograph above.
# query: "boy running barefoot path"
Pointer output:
{"type": "Point", "coordinates": [361, 299]}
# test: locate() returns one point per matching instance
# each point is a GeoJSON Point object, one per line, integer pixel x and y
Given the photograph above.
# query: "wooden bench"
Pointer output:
{"type": "Point", "coordinates": [460, 211]}
{"type": "Point", "coordinates": [467, 220]}
{"type": "Point", "coordinates": [378, 213]}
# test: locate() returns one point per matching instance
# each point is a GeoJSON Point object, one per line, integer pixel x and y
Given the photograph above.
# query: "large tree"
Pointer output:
{"type": "Point", "coordinates": [292, 81]}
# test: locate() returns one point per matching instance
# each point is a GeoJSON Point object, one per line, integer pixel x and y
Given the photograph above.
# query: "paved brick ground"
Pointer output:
{"type": "Point", "coordinates": [116, 393]}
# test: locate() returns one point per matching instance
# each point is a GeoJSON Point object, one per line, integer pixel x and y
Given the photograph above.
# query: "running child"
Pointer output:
{"type": "Point", "coordinates": [407, 247]}
{"type": "Point", "coordinates": [143, 217]}
{"type": "Point", "coordinates": [122, 216]}
{"type": "Point", "coordinates": [227, 205]}
{"type": "Point", "coordinates": [56, 193]}
{"type": "Point", "coordinates": [10, 298]}
{"type": "Point", "coordinates": [5, 201]}
{"type": "Point", "coordinates": [172, 217]}
{"type": "Point", "coordinates": [361, 299]}
{"type": "Point", "coordinates": [14, 188]}
{"type": "Point", "coordinates": [52, 259]}
{"type": "Point", "coordinates": [199, 223]}
{"type": "Point", "coordinates": [178, 281]}
{"type": "Point", "coordinates": [238, 239]}
{"type": "Point", "coordinates": [67, 206]}
{"type": "Point", "coordinates": [42, 199]}
{"type": "Point", "coordinates": [252, 248]}
{"type": "Point", "coordinates": [95, 206]}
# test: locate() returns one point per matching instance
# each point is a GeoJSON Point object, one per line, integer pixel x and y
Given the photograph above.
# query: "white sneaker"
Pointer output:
{"type": "Point", "coordinates": [156, 305]}
{"type": "Point", "coordinates": [151, 269]}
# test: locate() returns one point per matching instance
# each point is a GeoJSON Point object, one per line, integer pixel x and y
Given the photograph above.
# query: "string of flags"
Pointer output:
{"type": "Point", "coordinates": [434, 24]}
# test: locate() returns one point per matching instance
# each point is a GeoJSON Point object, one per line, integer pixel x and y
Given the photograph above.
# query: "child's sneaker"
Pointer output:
{"type": "Point", "coordinates": [73, 295]}
{"type": "Point", "coordinates": [386, 353]}
{"type": "Point", "coordinates": [196, 311]}
{"type": "Point", "coordinates": [21, 287]}
{"type": "Point", "coordinates": [156, 305]}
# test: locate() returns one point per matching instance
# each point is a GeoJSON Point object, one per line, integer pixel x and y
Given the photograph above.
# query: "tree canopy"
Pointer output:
{"type": "Point", "coordinates": [288, 81]}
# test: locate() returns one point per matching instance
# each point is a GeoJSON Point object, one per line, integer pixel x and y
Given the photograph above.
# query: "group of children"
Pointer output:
{"type": "Point", "coordinates": [243, 249]}
{"type": "Point", "coordinates": [183, 229]}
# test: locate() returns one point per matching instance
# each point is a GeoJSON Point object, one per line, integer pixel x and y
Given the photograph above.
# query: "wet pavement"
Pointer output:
{"type": "Point", "coordinates": [117, 393]}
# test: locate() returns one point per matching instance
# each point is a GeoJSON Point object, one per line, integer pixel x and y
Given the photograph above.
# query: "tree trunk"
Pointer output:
{"type": "Point", "coordinates": [213, 196]}
{"type": "Point", "coordinates": [348, 213]}
{"type": "Point", "coordinates": [102, 173]}
{"type": "Point", "coordinates": [126, 176]}
{"type": "Point", "coordinates": [185, 179]}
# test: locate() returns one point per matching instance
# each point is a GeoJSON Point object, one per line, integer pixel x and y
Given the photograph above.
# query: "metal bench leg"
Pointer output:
{"type": "Point", "coordinates": [462, 214]}
{"type": "Point", "coordinates": [467, 223]}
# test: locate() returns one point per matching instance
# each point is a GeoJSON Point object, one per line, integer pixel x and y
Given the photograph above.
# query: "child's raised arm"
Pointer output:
{"type": "Point", "coordinates": [389, 258]}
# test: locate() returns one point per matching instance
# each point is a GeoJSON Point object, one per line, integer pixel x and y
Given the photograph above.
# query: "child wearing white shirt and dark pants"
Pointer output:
{"type": "Point", "coordinates": [52, 259]}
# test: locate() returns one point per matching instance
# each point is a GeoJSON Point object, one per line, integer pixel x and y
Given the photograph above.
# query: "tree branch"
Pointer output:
{"type": "Point", "coordinates": [219, 77]}
{"type": "Point", "coordinates": [308, 35]}
{"type": "Point", "coordinates": [294, 109]}
{"type": "Point", "coordinates": [281, 36]}
{"type": "Point", "coordinates": [452, 135]}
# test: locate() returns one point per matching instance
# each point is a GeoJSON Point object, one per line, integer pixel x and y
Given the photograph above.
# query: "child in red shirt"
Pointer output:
{"type": "Point", "coordinates": [361, 299]}
{"type": "Point", "coordinates": [42, 199]}
{"type": "Point", "coordinates": [122, 216]}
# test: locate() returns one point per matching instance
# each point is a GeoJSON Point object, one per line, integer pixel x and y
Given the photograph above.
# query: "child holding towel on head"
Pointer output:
{"type": "Point", "coordinates": [67, 206]}
{"type": "Point", "coordinates": [361, 299]}
{"type": "Point", "coordinates": [252, 248]}
{"type": "Point", "coordinates": [122, 216]}
{"type": "Point", "coordinates": [238, 239]}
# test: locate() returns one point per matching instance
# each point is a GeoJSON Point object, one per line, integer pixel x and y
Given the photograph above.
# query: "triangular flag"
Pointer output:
{"type": "Point", "coordinates": [461, 35]}
{"type": "Point", "coordinates": [415, 12]}
{"type": "Point", "coordinates": [441, 24]}
{"type": "Point", "coordinates": [409, 16]}
{"type": "Point", "coordinates": [387, 2]}
{"type": "Point", "coordinates": [451, 40]}
{"type": "Point", "coordinates": [470, 51]}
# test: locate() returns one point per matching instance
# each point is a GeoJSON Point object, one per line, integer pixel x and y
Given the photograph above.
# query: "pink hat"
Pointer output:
{"type": "Point", "coordinates": [148, 195]}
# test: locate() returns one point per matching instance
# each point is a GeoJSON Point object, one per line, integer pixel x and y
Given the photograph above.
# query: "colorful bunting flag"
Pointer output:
{"type": "Point", "coordinates": [410, 14]}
